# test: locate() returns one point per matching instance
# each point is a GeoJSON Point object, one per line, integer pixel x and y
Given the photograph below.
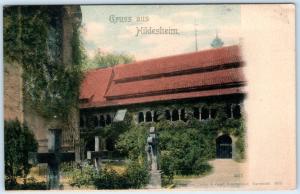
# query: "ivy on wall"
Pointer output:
{"type": "Point", "coordinates": [33, 37]}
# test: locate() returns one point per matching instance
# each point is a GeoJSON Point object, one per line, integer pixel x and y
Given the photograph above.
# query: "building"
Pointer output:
{"type": "Point", "coordinates": [61, 29]}
{"type": "Point", "coordinates": [214, 75]}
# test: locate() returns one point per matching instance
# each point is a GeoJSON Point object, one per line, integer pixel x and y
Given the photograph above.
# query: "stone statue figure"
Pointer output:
{"type": "Point", "coordinates": [151, 150]}
{"type": "Point", "coordinates": [152, 157]}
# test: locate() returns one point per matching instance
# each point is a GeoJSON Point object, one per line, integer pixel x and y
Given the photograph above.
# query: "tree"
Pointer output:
{"type": "Point", "coordinates": [18, 142]}
{"type": "Point", "coordinates": [103, 59]}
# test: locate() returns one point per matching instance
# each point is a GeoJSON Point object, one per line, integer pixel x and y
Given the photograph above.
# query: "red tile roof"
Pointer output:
{"type": "Point", "coordinates": [198, 74]}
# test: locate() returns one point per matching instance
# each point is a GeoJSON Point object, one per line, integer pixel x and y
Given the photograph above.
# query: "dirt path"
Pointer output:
{"type": "Point", "coordinates": [226, 173]}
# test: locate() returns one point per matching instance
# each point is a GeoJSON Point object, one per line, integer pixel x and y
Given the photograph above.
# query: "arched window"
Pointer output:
{"type": "Point", "coordinates": [175, 115]}
{"type": "Point", "coordinates": [108, 119]}
{"type": "Point", "coordinates": [182, 115]}
{"type": "Point", "coordinates": [213, 113]}
{"type": "Point", "coordinates": [204, 113]}
{"type": "Point", "coordinates": [228, 110]}
{"type": "Point", "coordinates": [148, 116]}
{"type": "Point", "coordinates": [141, 117]}
{"type": "Point", "coordinates": [236, 111]}
{"type": "Point", "coordinates": [168, 115]}
{"type": "Point", "coordinates": [102, 121]}
{"type": "Point", "coordinates": [156, 116]}
{"type": "Point", "coordinates": [81, 122]}
{"type": "Point", "coordinates": [196, 112]}
{"type": "Point", "coordinates": [95, 121]}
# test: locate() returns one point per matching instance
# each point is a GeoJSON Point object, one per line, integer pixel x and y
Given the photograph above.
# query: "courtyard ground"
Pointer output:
{"type": "Point", "coordinates": [226, 173]}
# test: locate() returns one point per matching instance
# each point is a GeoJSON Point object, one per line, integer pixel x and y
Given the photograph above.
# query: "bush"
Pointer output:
{"type": "Point", "coordinates": [135, 176]}
{"type": "Point", "coordinates": [31, 184]}
{"type": "Point", "coordinates": [18, 142]}
{"type": "Point", "coordinates": [79, 175]}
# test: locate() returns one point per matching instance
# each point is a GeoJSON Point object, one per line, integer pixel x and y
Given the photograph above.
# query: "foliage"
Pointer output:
{"type": "Point", "coordinates": [132, 143]}
{"type": "Point", "coordinates": [105, 59]}
{"type": "Point", "coordinates": [185, 147]}
{"type": "Point", "coordinates": [135, 176]}
{"type": "Point", "coordinates": [33, 38]}
{"type": "Point", "coordinates": [80, 176]}
{"type": "Point", "coordinates": [31, 184]}
{"type": "Point", "coordinates": [240, 145]}
{"type": "Point", "coordinates": [18, 142]}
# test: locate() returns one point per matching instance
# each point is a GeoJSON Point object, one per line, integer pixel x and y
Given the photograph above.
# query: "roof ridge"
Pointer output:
{"type": "Point", "coordinates": [176, 55]}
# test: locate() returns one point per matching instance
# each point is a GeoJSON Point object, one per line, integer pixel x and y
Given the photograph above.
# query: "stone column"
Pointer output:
{"type": "Point", "coordinates": [179, 114]}
{"type": "Point", "coordinates": [209, 113]}
{"type": "Point", "coordinates": [171, 115]}
{"type": "Point", "coordinates": [144, 114]}
{"type": "Point", "coordinates": [231, 111]}
{"type": "Point", "coordinates": [200, 113]}
{"type": "Point", "coordinates": [152, 115]}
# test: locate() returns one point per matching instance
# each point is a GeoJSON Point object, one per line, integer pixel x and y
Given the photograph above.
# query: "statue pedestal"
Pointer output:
{"type": "Point", "coordinates": [155, 180]}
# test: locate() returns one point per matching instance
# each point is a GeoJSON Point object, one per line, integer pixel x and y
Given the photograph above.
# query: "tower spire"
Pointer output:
{"type": "Point", "coordinates": [217, 42]}
{"type": "Point", "coordinates": [196, 35]}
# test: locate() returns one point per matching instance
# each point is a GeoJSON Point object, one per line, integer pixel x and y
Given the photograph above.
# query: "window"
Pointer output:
{"type": "Point", "coordinates": [141, 117]}
{"type": "Point", "coordinates": [175, 115]}
{"type": "Point", "coordinates": [204, 113]}
{"type": "Point", "coordinates": [213, 113]}
{"type": "Point", "coordinates": [148, 116]}
{"type": "Point", "coordinates": [236, 111]}
{"type": "Point", "coordinates": [182, 115]}
{"type": "Point", "coordinates": [156, 116]}
{"type": "Point", "coordinates": [228, 110]}
{"type": "Point", "coordinates": [168, 115]}
{"type": "Point", "coordinates": [102, 121]}
{"type": "Point", "coordinates": [196, 112]}
{"type": "Point", "coordinates": [108, 119]}
{"type": "Point", "coordinates": [95, 121]}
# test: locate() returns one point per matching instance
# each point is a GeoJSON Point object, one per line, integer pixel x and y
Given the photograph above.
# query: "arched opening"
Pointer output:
{"type": "Point", "coordinates": [141, 117]}
{"type": "Point", "coordinates": [175, 115]}
{"type": "Point", "coordinates": [182, 115]}
{"type": "Point", "coordinates": [95, 121]}
{"type": "Point", "coordinates": [168, 115]}
{"type": "Point", "coordinates": [108, 119]}
{"type": "Point", "coordinates": [156, 116]}
{"type": "Point", "coordinates": [196, 112]}
{"type": "Point", "coordinates": [148, 116]}
{"type": "Point", "coordinates": [213, 113]}
{"type": "Point", "coordinates": [236, 112]}
{"type": "Point", "coordinates": [102, 121]}
{"type": "Point", "coordinates": [204, 113]}
{"type": "Point", "coordinates": [228, 110]}
{"type": "Point", "coordinates": [224, 147]}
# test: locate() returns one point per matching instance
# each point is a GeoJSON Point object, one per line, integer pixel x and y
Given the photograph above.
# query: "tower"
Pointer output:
{"type": "Point", "coordinates": [217, 42]}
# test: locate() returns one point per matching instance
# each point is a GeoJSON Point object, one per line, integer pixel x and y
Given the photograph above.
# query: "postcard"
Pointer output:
{"type": "Point", "coordinates": [168, 97]}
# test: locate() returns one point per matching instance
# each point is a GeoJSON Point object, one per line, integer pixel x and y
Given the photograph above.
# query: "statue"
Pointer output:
{"type": "Point", "coordinates": [152, 157]}
{"type": "Point", "coordinates": [151, 150]}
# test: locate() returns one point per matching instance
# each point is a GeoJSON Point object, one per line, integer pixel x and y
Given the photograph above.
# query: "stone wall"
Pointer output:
{"type": "Point", "coordinates": [13, 104]}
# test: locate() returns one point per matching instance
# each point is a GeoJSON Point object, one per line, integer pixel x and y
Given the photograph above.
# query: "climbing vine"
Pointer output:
{"type": "Point", "coordinates": [33, 37]}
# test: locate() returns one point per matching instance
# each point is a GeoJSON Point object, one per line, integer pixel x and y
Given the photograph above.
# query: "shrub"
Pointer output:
{"type": "Point", "coordinates": [18, 142]}
{"type": "Point", "coordinates": [79, 175]}
{"type": "Point", "coordinates": [137, 175]}
{"type": "Point", "coordinates": [31, 184]}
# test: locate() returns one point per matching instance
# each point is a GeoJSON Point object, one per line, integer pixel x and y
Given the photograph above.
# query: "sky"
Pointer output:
{"type": "Point", "coordinates": [113, 28]}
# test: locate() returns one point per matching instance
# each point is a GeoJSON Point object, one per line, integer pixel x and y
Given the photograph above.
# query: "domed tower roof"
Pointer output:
{"type": "Point", "coordinates": [217, 42]}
